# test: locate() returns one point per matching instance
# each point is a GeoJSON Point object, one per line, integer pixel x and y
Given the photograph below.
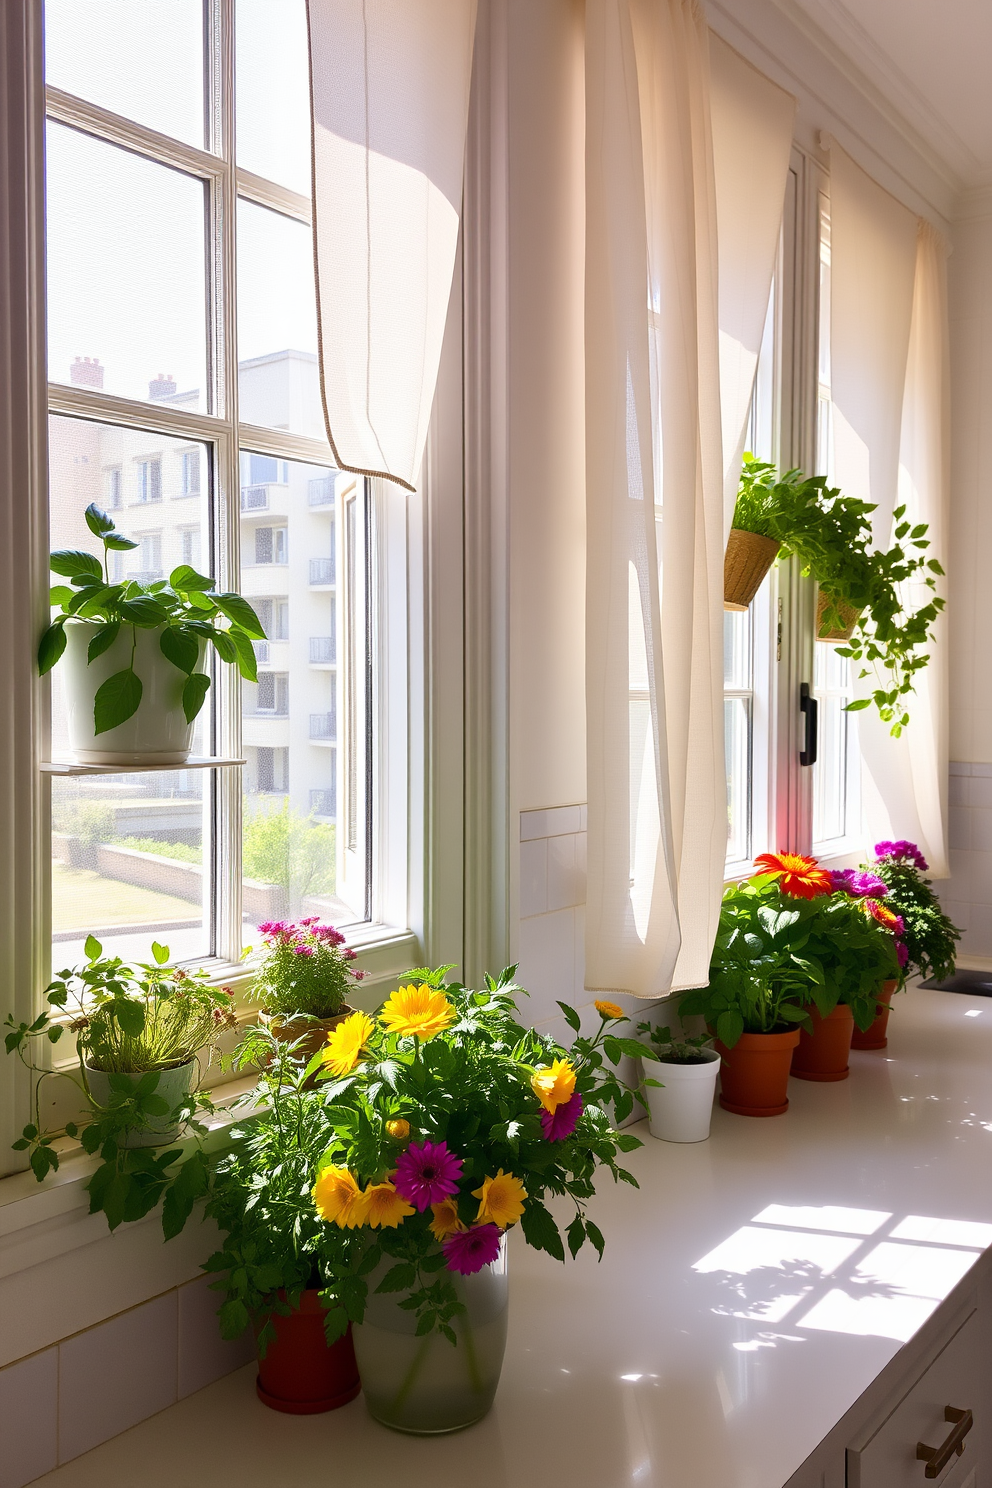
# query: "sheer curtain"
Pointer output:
{"type": "Point", "coordinates": [752, 140]}
{"type": "Point", "coordinates": [389, 95]}
{"type": "Point", "coordinates": [889, 390]}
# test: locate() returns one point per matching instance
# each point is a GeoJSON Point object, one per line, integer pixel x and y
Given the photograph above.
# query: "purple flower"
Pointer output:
{"type": "Point", "coordinates": [427, 1174]}
{"type": "Point", "coordinates": [303, 950]}
{"type": "Point", "coordinates": [840, 880]}
{"type": "Point", "coordinates": [272, 927]}
{"type": "Point", "coordinates": [902, 851]}
{"type": "Point", "coordinates": [561, 1123]}
{"type": "Point", "coordinates": [312, 920]}
{"type": "Point", "coordinates": [860, 885]}
{"type": "Point", "coordinates": [902, 954]}
{"type": "Point", "coordinates": [469, 1252]}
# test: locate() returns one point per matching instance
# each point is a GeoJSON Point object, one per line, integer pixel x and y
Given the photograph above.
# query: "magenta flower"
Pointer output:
{"type": "Point", "coordinates": [312, 920]}
{"type": "Point", "coordinates": [902, 851]}
{"type": "Point", "coordinates": [859, 885]}
{"type": "Point", "coordinates": [902, 954]}
{"type": "Point", "coordinates": [470, 1251]}
{"type": "Point", "coordinates": [561, 1123]}
{"type": "Point", "coordinates": [427, 1174]}
{"type": "Point", "coordinates": [303, 950]}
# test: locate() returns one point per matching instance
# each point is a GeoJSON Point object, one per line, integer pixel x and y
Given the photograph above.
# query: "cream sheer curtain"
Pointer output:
{"type": "Point", "coordinates": [752, 141]}
{"type": "Point", "coordinates": [654, 659]}
{"type": "Point", "coordinates": [889, 385]}
{"type": "Point", "coordinates": [389, 93]}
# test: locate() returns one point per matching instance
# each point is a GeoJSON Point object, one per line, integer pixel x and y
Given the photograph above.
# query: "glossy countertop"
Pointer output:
{"type": "Point", "coordinates": [752, 1289]}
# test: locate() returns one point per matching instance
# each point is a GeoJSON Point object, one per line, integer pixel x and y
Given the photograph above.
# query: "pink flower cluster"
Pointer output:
{"type": "Point", "coordinates": [299, 938]}
{"type": "Point", "coordinates": [858, 885]}
{"type": "Point", "coordinates": [901, 852]}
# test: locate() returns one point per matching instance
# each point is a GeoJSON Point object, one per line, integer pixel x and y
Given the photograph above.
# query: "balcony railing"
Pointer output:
{"type": "Point", "coordinates": [321, 650]}
{"type": "Point", "coordinates": [323, 726]}
{"type": "Point", "coordinates": [322, 570]}
{"type": "Point", "coordinates": [323, 803]}
{"type": "Point", "coordinates": [320, 491]}
{"type": "Point", "coordinates": [254, 498]}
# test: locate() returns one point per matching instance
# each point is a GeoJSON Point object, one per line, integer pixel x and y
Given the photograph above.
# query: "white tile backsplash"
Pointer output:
{"type": "Point", "coordinates": [554, 821]}
{"type": "Point", "coordinates": [566, 871]}
{"type": "Point", "coordinates": [967, 894]}
{"type": "Point", "coordinates": [29, 1395]}
{"type": "Point", "coordinates": [204, 1356]}
{"type": "Point", "coordinates": [534, 876]}
{"type": "Point", "coordinates": [980, 790]}
{"type": "Point", "coordinates": [546, 963]}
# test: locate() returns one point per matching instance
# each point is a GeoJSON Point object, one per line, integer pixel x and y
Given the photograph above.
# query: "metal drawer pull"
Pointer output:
{"type": "Point", "coordinates": [937, 1458]}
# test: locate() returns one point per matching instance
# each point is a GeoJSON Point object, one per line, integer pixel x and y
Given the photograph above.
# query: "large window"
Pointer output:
{"type": "Point", "coordinates": [184, 395]}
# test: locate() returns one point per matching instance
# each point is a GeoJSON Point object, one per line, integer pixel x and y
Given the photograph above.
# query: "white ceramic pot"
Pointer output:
{"type": "Point", "coordinates": [681, 1110]}
{"type": "Point", "coordinates": [157, 734]}
{"type": "Point", "coordinates": [173, 1085]}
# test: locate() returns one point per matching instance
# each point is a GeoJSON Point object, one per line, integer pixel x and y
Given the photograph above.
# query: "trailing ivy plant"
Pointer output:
{"type": "Point", "coordinates": [831, 535]}
{"type": "Point", "coordinates": [186, 608]}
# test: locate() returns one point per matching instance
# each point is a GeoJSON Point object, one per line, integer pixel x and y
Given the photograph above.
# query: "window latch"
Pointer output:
{"type": "Point", "coordinates": [809, 708]}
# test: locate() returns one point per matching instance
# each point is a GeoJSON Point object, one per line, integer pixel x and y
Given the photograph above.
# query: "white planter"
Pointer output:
{"type": "Point", "coordinates": [173, 1085]}
{"type": "Point", "coordinates": [681, 1111]}
{"type": "Point", "coordinates": [157, 734]}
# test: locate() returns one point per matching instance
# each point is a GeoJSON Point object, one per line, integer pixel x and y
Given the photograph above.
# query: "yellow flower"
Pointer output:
{"type": "Point", "coordinates": [501, 1200]}
{"type": "Point", "coordinates": [384, 1206]}
{"type": "Point", "coordinates": [417, 1010]}
{"type": "Point", "coordinates": [345, 1043]}
{"type": "Point", "coordinates": [339, 1199]}
{"type": "Point", "coordinates": [608, 1010]}
{"type": "Point", "coordinates": [446, 1221]}
{"type": "Point", "coordinates": [399, 1130]}
{"type": "Point", "coordinates": [554, 1086]}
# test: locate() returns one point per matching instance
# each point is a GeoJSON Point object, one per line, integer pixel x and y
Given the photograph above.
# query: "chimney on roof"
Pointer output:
{"type": "Point", "coordinates": [163, 386]}
{"type": "Point", "coordinates": [86, 372]}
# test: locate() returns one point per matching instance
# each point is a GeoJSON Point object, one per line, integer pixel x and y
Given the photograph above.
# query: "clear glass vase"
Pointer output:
{"type": "Point", "coordinates": [428, 1385]}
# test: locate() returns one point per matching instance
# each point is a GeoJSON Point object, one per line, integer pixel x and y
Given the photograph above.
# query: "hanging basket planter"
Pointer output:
{"type": "Point", "coordinates": [745, 563]}
{"type": "Point", "coordinates": [849, 615]}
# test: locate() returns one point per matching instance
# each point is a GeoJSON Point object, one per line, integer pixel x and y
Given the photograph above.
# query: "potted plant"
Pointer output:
{"type": "Point", "coordinates": [860, 589]}
{"type": "Point", "coordinates": [271, 1268]}
{"type": "Point", "coordinates": [303, 981]}
{"type": "Point", "coordinates": [452, 1123]}
{"type": "Point", "coordinates": [134, 652]}
{"type": "Point", "coordinates": [679, 1083]}
{"type": "Point", "coordinates": [925, 944]}
{"type": "Point", "coordinates": [139, 1031]}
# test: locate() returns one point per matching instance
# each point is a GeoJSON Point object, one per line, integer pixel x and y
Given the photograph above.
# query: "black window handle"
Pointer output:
{"type": "Point", "coordinates": [809, 707]}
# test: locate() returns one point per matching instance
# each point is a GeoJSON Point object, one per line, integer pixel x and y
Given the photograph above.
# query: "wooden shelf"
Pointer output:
{"type": "Point", "coordinates": [195, 762]}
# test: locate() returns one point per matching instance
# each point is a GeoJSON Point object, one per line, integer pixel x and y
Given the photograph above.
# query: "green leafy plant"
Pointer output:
{"type": "Point", "coordinates": [128, 1020]}
{"type": "Point", "coordinates": [306, 970]}
{"type": "Point", "coordinates": [929, 935]}
{"type": "Point", "coordinates": [286, 848]}
{"type": "Point", "coordinates": [831, 536]}
{"type": "Point", "coordinates": [674, 1048]}
{"type": "Point", "coordinates": [187, 608]}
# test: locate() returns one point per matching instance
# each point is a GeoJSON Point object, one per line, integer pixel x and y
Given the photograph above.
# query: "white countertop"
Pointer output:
{"type": "Point", "coordinates": [750, 1292]}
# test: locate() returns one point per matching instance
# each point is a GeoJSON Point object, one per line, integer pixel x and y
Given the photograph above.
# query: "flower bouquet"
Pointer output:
{"type": "Point", "coordinates": [451, 1124]}
{"type": "Point", "coordinates": [304, 980]}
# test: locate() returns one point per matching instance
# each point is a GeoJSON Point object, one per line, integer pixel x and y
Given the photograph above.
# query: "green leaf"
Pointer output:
{"type": "Point", "coordinates": [576, 1235]}
{"type": "Point", "coordinates": [571, 1017]}
{"type": "Point", "coordinates": [540, 1230]}
{"type": "Point", "coordinates": [239, 612]}
{"type": "Point", "coordinates": [160, 952]}
{"type": "Point", "coordinates": [247, 661]}
{"type": "Point", "coordinates": [180, 647]}
{"type": "Point", "coordinates": [189, 1184]}
{"type": "Point", "coordinates": [596, 1236]}
{"type": "Point", "coordinates": [116, 700]}
{"type": "Point", "coordinates": [185, 579]}
{"type": "Point", "coordinates": [93, 948]}
{"type": "Point", "coordinates": [857, 705]}
{"type": "Point", "coordinates": [73, 563]}
{"type": "Point", "coordinates": [193, 694]}
{"type": "Point", "coordinates": [224, 645]}
{"type": "Point", "coordinates": [60, 594]}
{"type": "Point", "coordinates": [143, 610]}
{"type": "Point", "coordinates": [97, 521]}
{"type": "Point", "coordinates": [234, 1318]}
{"type": "Point", "coordinates": [729, 1027]}
{"type": "Point", "coordinates": [51, 647]}
{"type": "Point", "coordinates": [398, 1278]}
{"type": "Point", "coordinates": [103, 640]}
{"type": "Point", "coordinates": [130, 1015]}
{"type": "Point", "coordinates": [119, 542]}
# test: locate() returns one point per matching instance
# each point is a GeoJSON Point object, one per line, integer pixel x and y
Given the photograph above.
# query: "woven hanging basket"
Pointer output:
{"type": "Point", "coordinates": [745, 563]}
{"type": "Point", "coordinates": [848, 613]}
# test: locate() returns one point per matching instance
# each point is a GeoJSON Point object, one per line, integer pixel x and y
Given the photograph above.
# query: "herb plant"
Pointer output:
{"type": "Point", "coordinates": [929, 935]}
{"type": "Point", "coordinates": [306, 970]}
{"type": "Point", "coordinates": [186, 607]}
{"type": "Point", "coordinates": [831, 534]}
{"type": "Point", "coordinates": [669, 1048]}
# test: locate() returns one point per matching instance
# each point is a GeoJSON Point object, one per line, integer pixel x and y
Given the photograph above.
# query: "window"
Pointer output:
{"type": "Point", "coordinates": [155, 304]}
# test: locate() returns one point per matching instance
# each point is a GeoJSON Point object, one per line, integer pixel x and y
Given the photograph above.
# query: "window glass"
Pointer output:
{"type": "Point", "coordinates": [126, 273]}
{"type": "Point", "coordinates": [143, 60]}
{"type": "Point", "coordinates": [273, 91]}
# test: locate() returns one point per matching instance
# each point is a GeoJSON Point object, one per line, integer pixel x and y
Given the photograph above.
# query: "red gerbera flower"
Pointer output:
{"type": "Point", "coordinates": [798, 876]}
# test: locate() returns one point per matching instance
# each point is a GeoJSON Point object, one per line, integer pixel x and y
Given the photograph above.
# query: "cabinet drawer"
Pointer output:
{"type": "Point", "coordinates": [957, 1379]}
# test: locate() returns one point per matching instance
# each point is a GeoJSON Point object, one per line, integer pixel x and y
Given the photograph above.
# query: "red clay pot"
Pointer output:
{"type": "Point", "coordinates": [876, 1037]}
{"type": "Point", "coordinates": [754, 1074]}
{"type": "Point", "coordinates": [301, 1373]}
{"type": "Point", "coordinates": [823, 1054]}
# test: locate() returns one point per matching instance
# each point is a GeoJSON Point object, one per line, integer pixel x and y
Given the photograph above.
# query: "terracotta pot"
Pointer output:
{"type": "Point", "coordinates": [823, 1054]}
{"type": "Point", "coordinates": [302, 1374]}
{"type": "Point", "coordinates": [754, 1074]}
{"type": "Point", "coordinates": [847, 612]}
{"type": "Point", "coordinates": [876, 1036]}
{"type": "Point", "coordinates": [313, 1032]}
{"type": "Point", "coordinates": [745, 563]}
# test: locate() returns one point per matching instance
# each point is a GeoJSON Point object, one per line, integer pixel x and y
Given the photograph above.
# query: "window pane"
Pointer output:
{"type": "Point", "coordinates": [305, 723]}
{"type": "Point", "coordinates": [737, 649]}
{"type": "Point", "coordinates": [126, 273]}
{"type": "Point", "coordinates": [273, 91]}
{"type": "Point", "coordinates": [836, 804]}
{"type": "Point", "coordinates": [278, 381]}
{"type": "Point", "coordinates": [144, 61]}
{"type": "Point", "coordinates": [737, 741]}
{"type": "Point", "coordinates": [129, 851]}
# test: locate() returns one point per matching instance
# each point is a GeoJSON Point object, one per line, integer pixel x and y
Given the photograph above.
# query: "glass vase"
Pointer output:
{"type": "Point", "coordinates": [427, 1386]}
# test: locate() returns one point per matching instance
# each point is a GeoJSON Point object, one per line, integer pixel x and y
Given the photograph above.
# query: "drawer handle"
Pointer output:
{"type": "Point", "coordinates": [937, 1458]}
